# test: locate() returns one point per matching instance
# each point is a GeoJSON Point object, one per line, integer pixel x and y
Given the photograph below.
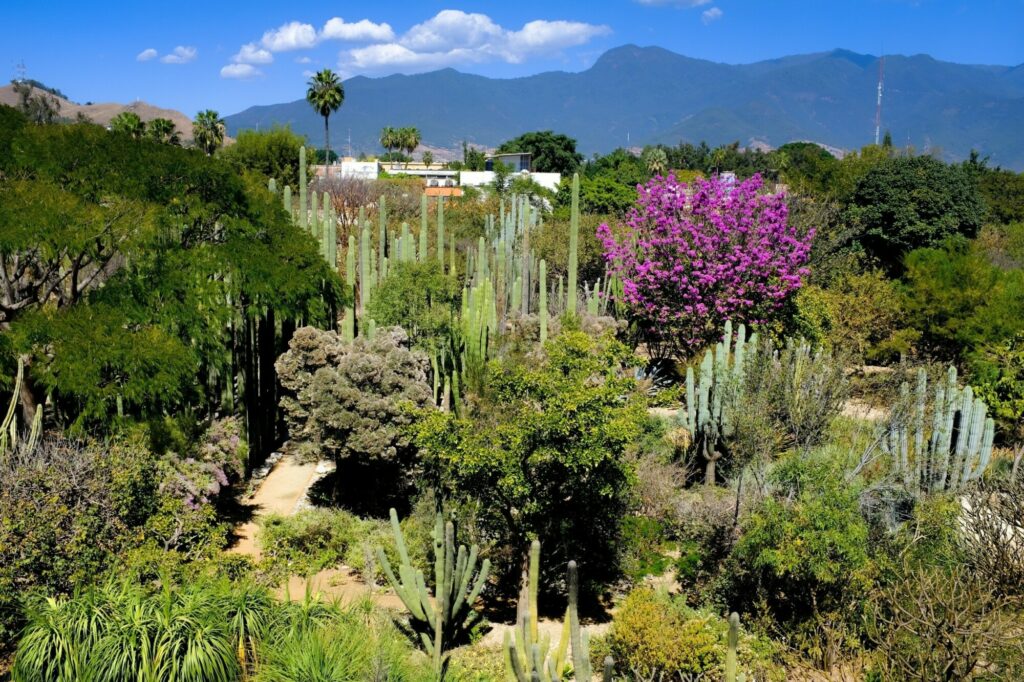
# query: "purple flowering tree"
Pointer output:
{"type": "Point", "coordinates": [692, 257]}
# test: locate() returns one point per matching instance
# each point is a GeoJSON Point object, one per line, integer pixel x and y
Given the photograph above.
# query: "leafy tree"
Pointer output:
{"type": "Point", "coordinates": [599, 195]}
{"type": "Point", "coordinates": [543, 457]}
{"type": "Point", "coordinates": [620, 165]}
{"type": "Point", "coordinates": [691, 259]}
{"type": "Point", "coordinates": [656, 160]}
{"type": "Point", "coordinates": [326, 95]}
{"type": "Point", "coordinates": [549, 152]}
{"type": "Point", "coordinates": [37, 107]}
{"type": "Point", "coordinates": [274, 153]}
{"type": "Point", "coordinates": [128, 123]}
{"type": "Point", "coordinates": [163, 130]}
{"type": "Point", "coordinates": [906, 203]}
{"type": "Point", "coordinates": [208, 131]}
{"type": "Point", "coordinates": [1003, 193]}
{"type": "Point", "coordinates": [472, 158]}
{"type": "Point", "coordinates": [428, 158]}
{"type": "Point", "coordinates": [809, 168]}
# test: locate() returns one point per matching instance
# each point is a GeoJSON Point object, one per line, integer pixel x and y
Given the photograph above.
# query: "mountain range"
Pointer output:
{"type": "Point", "coordinates": [633, 96]}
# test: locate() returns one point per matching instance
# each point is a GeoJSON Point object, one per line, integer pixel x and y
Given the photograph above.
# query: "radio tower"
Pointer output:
{"type": "Point", "coordinates": [878, 105]}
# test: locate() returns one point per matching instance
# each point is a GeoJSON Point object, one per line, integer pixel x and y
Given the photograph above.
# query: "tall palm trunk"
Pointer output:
{"type": "Point", "coordinates": [327, 148]}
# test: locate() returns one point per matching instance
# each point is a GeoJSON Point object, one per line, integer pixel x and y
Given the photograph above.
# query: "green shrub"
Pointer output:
{"type": "Point", "coordinates": [803, 554]}
{"type": "Point", "coordinates": [642, 547]}
{"type": "Point", "coordinates": [654, 636]}
{"type": "Point", "coordinates": [420, 298]}
{"type": "Point", "coordinates": [307, 542]}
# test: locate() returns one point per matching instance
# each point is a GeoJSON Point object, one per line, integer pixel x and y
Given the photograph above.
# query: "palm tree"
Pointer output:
{"type": "Point", "coordinates": [129, 123]}
{"type": "Point", "coordinates": [208, 131]}
{"type": "Point", "coordinates": [410, 140]}
{"type": "Point", "coordinates": [325, 95]}
{"type": "Point", "coordinates": [163, 130]}
{"type": "Point", "coordinates": [656, 160]}
{"type": "Point", "coordinates": [388, 139]}
{"type": "Point", "coordinates": [427, 158]}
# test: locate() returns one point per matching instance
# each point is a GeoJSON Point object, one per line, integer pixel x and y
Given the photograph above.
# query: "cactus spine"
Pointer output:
{"type": "Point", "coordinates": [447, 619]}
{"type": "Point", "coordinates": [574, 240]}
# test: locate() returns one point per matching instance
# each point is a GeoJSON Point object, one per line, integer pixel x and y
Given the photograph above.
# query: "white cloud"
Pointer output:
{"type": "Point", "coordinates": [709, 15]}
{"type": "Point", "coordinates": [146, 55]}
{"type": "Point", "coordinates": [252, 54]}
{"type": "Point", "coordinates": [180, 55]}
{"type": "Point", "coordinates": [291, 36]}
{"type": "Point", "coordinates": [455, 37]}
{"type": "Point", "coordinates": [240, 71]}
{"type": "Point", "coordinates": [303, 60]}
{"type": "Point", "coordinates": [363, 30]}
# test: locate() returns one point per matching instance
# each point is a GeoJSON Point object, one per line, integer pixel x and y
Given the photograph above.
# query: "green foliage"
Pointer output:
{"type": "Point", "coordinates": [542, 431]}
{"type": "Point", "coordinates": [1003, 193]}
{"type": "Point", "coordinates": [906, 203]}
{"type": "Point", "coordinates": [274, 153]}
{"type": "Point", "coordinates": [354, 402]}
{"type": "Point", "coordinates": [600, 194]}
{"type": "Point", "coordinates": [653, 635]}
{"type": "Point", "coordinates": [422, 299]}
{"type": "Point", "coordinates": [803, 554]}
{"type": "Point", "coordinates": [307, 542]}
{"type": "Point", "coordinates": [208, 131]}
{"type": "Point", "coordinates": [163, 130]}
{"type": "Point", "coordinates": [550, 152]}
{"type": "Point", "coordinates": [128, 123]}
{"type": "Point", "coordinates": [642, 548]}
{"type": "Point", "coordinates": [807, 167]}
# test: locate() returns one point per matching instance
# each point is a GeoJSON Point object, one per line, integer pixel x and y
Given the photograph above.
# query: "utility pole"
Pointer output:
{"type": "Point", "coordinates": [878, 105]}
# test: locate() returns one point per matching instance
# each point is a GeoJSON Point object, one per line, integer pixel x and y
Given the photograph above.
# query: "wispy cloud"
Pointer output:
{"type": "Point", "coordinates": [252, 54]}
{"type": "Point", "coordinates": [182, 54]}
{"type": "Point", "coordinates": [709, 15]}
{"type": "Point", "coordinates": [146, 55]}
{"type": "Point", "coordinates": [363, 30]}
{"type": "Point", "coordinates": [457, 37]}
{"type": "Point", "coordinates": [240, 71]}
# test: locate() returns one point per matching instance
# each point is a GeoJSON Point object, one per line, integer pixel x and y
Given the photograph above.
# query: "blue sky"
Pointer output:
{"type": "Point", "coordinates": [190, 55]}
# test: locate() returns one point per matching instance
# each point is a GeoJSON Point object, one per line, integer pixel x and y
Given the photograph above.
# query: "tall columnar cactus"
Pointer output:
{"type": "Point", "coordinates": [348, 325]}
{"type": "Point", "coordinates": [732, 644]}
{"type": "Point", "coordinates": [532, 657]}
{"type": "Point", "coordinates": [709, 401]}
{"type": "Point", "coordinates": [382, 228]}
{"type": "Point", "coordinates": [574, 241]}
{"type": "Point", "coordinates": [543, 295]}
{"type": "Point", "coordinates": [286, 201]}
{"type": "Point", "coordinates": [364, 269]}
{"type": "Point", "coordinates": [272, 186]}
{"type": "Point", "coordinates": [440, 235]}
{"type": "Point", "coordinates": [303, 187]}
{"type": "Point", "coordinates": [959, 447]}
{"type": "Point", "coordinates": [423, 229]}
{"type": "Point", "coordinates": [445, 620]}
{"type": "Point", "coordinates": [9, 428]}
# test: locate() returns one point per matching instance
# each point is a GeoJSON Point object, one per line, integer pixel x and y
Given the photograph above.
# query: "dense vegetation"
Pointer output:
{"type": "Point", "coordinates": [774, 420]}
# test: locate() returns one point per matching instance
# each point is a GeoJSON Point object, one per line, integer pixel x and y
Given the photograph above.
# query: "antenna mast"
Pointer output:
{"type": "Point", "coordinates": [22, 71]}
{"type": "Point", "coordinates": [878, 105]}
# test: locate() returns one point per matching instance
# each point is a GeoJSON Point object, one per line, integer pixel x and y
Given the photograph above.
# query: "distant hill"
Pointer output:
{"type": "Point", "coordinates": [102, 113]}
{"type": "Point", "coordinates": [639, 95]}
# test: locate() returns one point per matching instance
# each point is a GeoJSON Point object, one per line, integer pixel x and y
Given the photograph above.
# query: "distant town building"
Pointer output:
{"type": "Point", "coordinates": [364, 170]}
{"type": "Point", "coordinates": [481, 178]}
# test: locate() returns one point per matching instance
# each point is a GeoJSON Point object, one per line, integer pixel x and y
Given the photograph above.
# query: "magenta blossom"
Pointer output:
{"type": "Point", "coordinates": [692, 257]}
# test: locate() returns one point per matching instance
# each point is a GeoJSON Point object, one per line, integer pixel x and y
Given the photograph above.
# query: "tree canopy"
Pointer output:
{"type": "Point", "coordinates": [551, 152]}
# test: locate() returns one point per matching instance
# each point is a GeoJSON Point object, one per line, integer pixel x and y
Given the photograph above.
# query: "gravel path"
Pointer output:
{"type": "Point", "coordinates": [279, 493]}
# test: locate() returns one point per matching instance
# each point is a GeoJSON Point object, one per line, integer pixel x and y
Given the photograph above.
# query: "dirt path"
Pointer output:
{"type": "Point", "coordinates": [279, 493]}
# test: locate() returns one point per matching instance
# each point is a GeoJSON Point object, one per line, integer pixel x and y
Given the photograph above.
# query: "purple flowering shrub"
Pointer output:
{"type": "Point", "coordinates": [692, 256]}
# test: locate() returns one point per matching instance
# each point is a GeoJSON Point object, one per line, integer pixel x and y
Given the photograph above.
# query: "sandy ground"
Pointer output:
{"type": "Point", "coordinates": [279, 493]}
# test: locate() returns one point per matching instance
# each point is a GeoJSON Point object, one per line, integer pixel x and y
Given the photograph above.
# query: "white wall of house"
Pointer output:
{"type": "Point", "coordinates": [365, 170]}
{"type": "Point", "coordinates": [480, 178]}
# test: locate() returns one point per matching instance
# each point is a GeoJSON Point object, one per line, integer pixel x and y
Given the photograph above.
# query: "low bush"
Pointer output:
{"type": "Point", "coordinates": [655, 636]}
{"type": "Point", "coordinates": [306, 542]}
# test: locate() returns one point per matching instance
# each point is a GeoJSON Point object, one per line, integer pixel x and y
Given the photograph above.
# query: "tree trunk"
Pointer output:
{"type": "Point", "coordinates": [29, 404]}
{"type": "Point", "coordinates": [327, 148]}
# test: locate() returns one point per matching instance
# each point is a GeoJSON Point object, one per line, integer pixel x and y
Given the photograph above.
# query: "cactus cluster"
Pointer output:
{"type": "Point", "coordinates": [314, 214]}
{"type": "Point", "coordinates": [445, 620]}
{"type": "Point", "coordinates": [957, 449]}
{"type": "Point", "coordinates": [709, 399]}
{"type": "Point", "coordinates": [532, 657]}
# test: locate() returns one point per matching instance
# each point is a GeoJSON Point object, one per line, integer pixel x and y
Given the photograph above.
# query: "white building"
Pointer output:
{"type": "Point", "coordinates": [481, 178]}
{"type": "Point", "coordinates": [364, 170]}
